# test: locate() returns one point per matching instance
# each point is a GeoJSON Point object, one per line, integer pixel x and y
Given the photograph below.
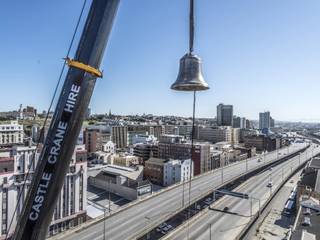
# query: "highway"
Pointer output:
{"type": "Point", "coordinates": [147, 214]}
{"type": "Point", "coordinates": [228, 225]}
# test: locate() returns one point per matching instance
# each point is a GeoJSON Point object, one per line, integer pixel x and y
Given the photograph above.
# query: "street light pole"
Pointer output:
{"type": "Point", "coordinates": [246, 164]}
{"type": "Point", "coordinates": [299, 158]}
{"type": "Point", "coordinates": [251, 207]}
{"type": "Point", "coordinates": [104, 223]}
{"type": "Point", "coordinates": [109, 198]}
{"type": "Point", "coordinates": [210, 231]}
{"type": "Point", "coordinates": [222, 173]}
{"type": "Point", "coordinates": [182, 193]}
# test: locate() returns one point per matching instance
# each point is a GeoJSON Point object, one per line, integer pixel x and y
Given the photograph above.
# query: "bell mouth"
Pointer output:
{"type": "Point", "coordinates": [190, 87]}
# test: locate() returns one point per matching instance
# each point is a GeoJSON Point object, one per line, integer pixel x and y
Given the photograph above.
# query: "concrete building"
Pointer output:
{"type": "Point", "coordinates": [171, 130]}
{"type": "Point", "coordinates": [264, 120]}
{"type": "Point", "coordinates": [120, 136]}
{"type": "Point", "coordinates": [171, 138]}
{"type": "Point", "coordinates": [145, 151]}
{"type": "Point", "coordinates": [122, 181]}
{"type": "Point", "coordinates": [155, 130]}
{"type": "Point", "coordinates": [224, 115]}
{"type": "Point", "coordinates": [153, 170]}
{"type": "Point", "coordinates": [139, 138]}
{"type": "Point", "coordinates": [272, 122]}
{"type": "Point", "coordinates": [11, 134]}
{"type": "Point", "coordinates": [125, 160]}
{"type": "Point", "coordinates": [95, 137]}
{"type": "Point", "coordinates": [263, 142]}
{"type": "Point", "coordinates": [215, 134]}
{"type": "Point", "coordinates": [248, 124]}
{"type": "Point", "coordinates": [182, 151]}
{"type": "Point", "coordinates": [185, 130]}
{"type": "Point", "coordinates": [236, 122]}
{"type": "Point", "coordinates": [71, 206]}
{"type": "Point", "coordinates": [235, 136]}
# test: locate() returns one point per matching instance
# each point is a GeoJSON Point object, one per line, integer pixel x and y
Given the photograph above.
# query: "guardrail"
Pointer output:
{"type": "Point", "coordinates": [97, 220]}
{"type": "Point", "coordinates": [255, 217]}
{"type": "Point", "coordinates": [264, 206]}
{"type": "Point", "coordinates": [165, 217]}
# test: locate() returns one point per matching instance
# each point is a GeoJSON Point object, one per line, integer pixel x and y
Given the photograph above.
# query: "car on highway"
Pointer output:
{"type": "Point", "coordinates": [208, 201]}
{"type": "Point", "coordinates": [270, 169]}
{"type": "Point", "coordinates": [269, 184]}
{"type": "Point", "coordinates": [198, 207]}
{"type": "Point", "coordinates": [161, 227]}
{"type": "Point", "coordinates": [226, 209]}
{"type": "Point", "coordinates": [259, 160]}
{"type": "Point", "coordinates": [306, 221]}
{"type": "Point", "coordinates": [291, 181]}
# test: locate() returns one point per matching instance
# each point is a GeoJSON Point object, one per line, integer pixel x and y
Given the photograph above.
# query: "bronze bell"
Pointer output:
{"type": "Point", "coordinates": [190, 76]}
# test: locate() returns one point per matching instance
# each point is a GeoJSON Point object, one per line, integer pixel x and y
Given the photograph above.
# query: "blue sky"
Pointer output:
{"type": "Point", "coordinates": [257, 55]}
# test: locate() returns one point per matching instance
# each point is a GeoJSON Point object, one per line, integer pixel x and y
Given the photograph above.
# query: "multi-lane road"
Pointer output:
{"type": "Point", "coordinates": [228, 224]}
{"type": "Point", "coordinates": [147, 214]}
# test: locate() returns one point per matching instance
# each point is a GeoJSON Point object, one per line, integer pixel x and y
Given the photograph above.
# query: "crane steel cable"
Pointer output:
{"type": "Point", "coordinates": [47, 116]}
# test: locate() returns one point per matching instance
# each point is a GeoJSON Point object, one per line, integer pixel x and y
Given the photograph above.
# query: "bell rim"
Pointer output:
{"type": "Point", "coordinates": [190, 87]}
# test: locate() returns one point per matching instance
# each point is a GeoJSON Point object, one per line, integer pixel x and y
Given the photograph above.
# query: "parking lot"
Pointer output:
{"type": "Point", "coordinates": [98, 201]}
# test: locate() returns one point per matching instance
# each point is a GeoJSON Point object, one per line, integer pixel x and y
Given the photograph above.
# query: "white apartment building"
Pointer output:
{"type": "Point", "coordinates": [175, 171]}
{"type": "Point", "coordinates": [109, 147]}
{"type": "Point", "coordinates": [71, 207]}
{"type": "Point", "coordinates": [11, 134]}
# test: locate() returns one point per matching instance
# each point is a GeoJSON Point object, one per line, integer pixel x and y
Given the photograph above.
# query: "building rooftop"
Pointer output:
{"type": "Point", "coordinates": [132, 173]}
{"type": "Point", "coordinates": [307, 232]}
{"type": "Point", "coordinates": [158, 161]}
{"type": "Point", "coordinates": [315, 163]}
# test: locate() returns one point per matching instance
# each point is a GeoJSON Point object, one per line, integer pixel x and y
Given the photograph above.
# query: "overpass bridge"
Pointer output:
{"type": "Point", "coordinates": [140, 217]}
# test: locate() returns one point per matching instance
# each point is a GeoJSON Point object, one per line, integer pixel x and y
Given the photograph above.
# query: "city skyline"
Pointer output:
{"type": "Point", "coordinates": [254, 57]}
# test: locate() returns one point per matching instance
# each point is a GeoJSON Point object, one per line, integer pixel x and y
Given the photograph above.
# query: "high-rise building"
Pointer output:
{"type": "Point", "coordinates": [236, 122]}
{"type": "Point", "coordinates": [224, 115]}
{"type": "Point", "coordinates": [272, 122]}
{"type": "Point", "coordinates": [264, 120]}
{"type": "Point", "coordinates": [239, 122]}
{"type": "Point", "coordinates": [248, 124]}
{"type": "Point", "coordinates": [120, 136]}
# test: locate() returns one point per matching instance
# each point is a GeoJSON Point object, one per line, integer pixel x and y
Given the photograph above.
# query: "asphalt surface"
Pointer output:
{"type": "Point", "coordinates": [228, 225]}
{"type": "Point", "coordinates": [147, 214]}
{"type": "Point", "coordinates": [272, 223]}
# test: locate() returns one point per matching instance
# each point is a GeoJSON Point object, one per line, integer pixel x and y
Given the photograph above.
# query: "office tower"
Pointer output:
{"type": "Point", "coordinates": [264, 120]}
{"type": "Point", "coordinates": [272, 122]}
{"type": "Point", "coordinates": [224, 115]}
